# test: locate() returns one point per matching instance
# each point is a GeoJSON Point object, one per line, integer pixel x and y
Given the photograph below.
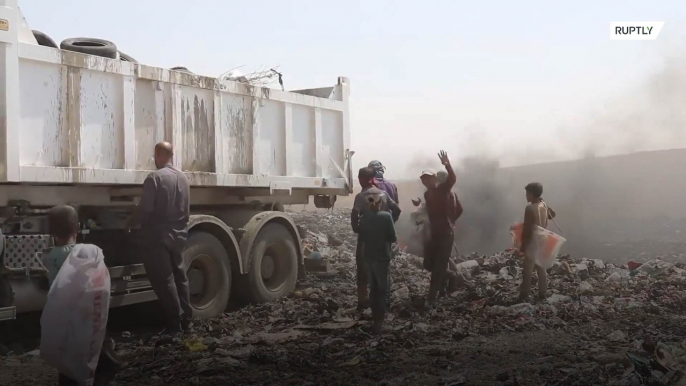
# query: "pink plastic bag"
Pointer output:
{"type": "Point", "coordinates": [544, 247]}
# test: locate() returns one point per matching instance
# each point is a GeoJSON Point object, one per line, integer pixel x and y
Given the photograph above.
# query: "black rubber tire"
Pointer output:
{"type": "Point", "coordinates": [126, 58]}
{"type": "Point", "coordinates": [97, 47]}
{"type": "Point", "coordinates": [273, 239]}
{"type": "Point", "coordinates": [181, 69]}
{"type": "Point", "coordinates": [44, 40]}
{"type": "Point", "coordinates": [206, 253]}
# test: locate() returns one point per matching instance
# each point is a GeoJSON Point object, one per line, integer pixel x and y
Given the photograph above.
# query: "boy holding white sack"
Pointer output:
{"type": "Point", "coordinates": [536, 214]}
{"type": "Point", "coordinates": [74, 320]}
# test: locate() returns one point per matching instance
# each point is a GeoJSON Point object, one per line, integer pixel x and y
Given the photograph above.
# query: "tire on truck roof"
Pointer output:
{"type": "Point", "coordinates": [274, 265]}
{"type": "Point", "coordinates": [44, 39]}
{"type": "Point", "coordinates": [91, 46]}
{"type": "Point", "coordinates": [126, 58]}
{"type": "Point", "coordinates": [209, 274]}
{"type": "Point", "coordinates": [181, 69]}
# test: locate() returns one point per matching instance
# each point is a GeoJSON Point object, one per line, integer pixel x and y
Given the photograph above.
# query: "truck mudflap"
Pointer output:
{"type": "Point", "coordinates": [8, 313]}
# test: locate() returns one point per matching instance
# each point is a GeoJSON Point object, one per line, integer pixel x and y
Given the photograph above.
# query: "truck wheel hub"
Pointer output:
{"type": "Point", "coordinates": [196, 281]}
{"type": "Point", "coordinates": [267, 267]}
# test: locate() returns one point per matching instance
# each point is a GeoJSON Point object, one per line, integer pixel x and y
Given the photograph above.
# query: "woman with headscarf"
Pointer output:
{"type": "Point", "coordinates": [381, 183]}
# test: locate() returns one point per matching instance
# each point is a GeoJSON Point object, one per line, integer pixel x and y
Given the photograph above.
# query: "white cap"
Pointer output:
{"type": "Point", "coordinates": [428, 172]}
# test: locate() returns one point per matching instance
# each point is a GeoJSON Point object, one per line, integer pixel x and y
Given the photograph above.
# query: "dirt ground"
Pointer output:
{"type": "Point", "coordinates": [476, 337]}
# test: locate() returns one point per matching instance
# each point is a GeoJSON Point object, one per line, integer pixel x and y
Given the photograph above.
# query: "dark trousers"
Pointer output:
{"type": "Point", "coordinates": [362, 279]}
{"type": "Point", "coordinates": [378, 276]}
{"type": "Point", "coordinates": [108, 365]}
{"type": "Point", "coordinates": [439, 250]}
{"type": "Point", "coordinates": [167, 274]}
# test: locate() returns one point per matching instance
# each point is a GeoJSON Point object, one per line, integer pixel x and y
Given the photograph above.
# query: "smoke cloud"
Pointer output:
{"type": "Point", "coordinates": [599, 201]}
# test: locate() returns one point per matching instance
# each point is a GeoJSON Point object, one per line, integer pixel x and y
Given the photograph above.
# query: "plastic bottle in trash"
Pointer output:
{"type": "Point", "coordinates": [626, 302]}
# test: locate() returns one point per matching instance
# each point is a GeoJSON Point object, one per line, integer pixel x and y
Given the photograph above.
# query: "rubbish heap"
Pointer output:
{"type": "Point", "coordinates": [600, 324]}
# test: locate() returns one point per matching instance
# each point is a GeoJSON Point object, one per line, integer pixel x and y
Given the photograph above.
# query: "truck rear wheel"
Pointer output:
{"type": "Point", "coordinates": [274, 268]}
{"type": "Point", "coordinates": [209, 274]}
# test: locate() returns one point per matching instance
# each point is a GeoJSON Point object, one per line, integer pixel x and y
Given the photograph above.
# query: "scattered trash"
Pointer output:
{"type": "Point", "coordinates": [600, 323]}
{"type": "Point", "coordinates": [194, 345]}
{"type": "Point", "coordinates": [585, 288]}
{"type": "Point", "coordinates": [633, 265]}
{"type": "Point", "coordinates": [401, 293]}
{"type": "Point", "coordinates": [557, 298]}
{"type": "Point", "coordinates": [352, 362]}
{"type": "Point", "coordinates": [617, 336]}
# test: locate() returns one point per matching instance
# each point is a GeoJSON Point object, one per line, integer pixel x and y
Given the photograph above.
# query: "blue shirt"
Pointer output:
{"type": "Point", "coordinates": [54, 260]}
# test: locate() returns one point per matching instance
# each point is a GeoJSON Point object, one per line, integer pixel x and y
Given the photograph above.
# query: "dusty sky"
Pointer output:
{"type": "Point", "coordinates": [519, 81]}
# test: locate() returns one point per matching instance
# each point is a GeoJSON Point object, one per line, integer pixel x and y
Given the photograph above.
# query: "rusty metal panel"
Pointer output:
{"type": "Point", "coordinates": [43, 136]}
{"type": "Point", "coordinates": [102, 130]}
{"type": "Point", "coordinates": [237, 133]}
{"type": "Point", "coordinates": [197, 130]}
{"type": "Point", "coordinates": [332, 142]}
{"type": "Point", "coordinates": [302, 154]}
{"type": "Point", "coordinates": [74, 118]}
{"type": "Point", "coordinates": [270, 139]}
{"type": "Point", "coordinates": [147, 117]}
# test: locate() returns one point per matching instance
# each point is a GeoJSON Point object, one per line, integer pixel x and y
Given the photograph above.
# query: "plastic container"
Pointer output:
{"type": "Point", "coordinates": [545, 245]}
{"type": "Point", "coordinates": [516, 234]}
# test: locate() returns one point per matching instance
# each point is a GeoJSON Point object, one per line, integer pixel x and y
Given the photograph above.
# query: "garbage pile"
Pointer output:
{"type": "Point", "coordinates": [600, 324]}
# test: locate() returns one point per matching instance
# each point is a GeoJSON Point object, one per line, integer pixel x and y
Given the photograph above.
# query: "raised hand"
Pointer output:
{"type": "Point", "coordinates": [443, 156]}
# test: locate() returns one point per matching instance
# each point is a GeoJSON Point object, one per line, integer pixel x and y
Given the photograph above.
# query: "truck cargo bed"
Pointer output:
{"type": "Point", "coordinates": [74, 118]}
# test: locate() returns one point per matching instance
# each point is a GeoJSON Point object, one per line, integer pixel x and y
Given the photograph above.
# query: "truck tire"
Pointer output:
{"type": "Point", "coordinates": [126, 58]}
{"type": "Point", "coordinates": [90, 46]}
{"type": "Point", "coordinates": [44, 40]}
{"type": "Point", "coordinates": [181, 69]}
{"type": "Point", "coordinates": [274, 264]}
{"type": "Point", "coordinates": [209, 274]}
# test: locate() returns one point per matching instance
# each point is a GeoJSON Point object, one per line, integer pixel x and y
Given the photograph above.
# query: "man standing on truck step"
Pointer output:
{"type": "Point", "coordinates": [360, 207]}
{"type": "Point", "coordinates": [163, 215]}
{"type": "Point", "coordinates": [383, 184]}
{"type": "Point", "coordinates": [441, 210]}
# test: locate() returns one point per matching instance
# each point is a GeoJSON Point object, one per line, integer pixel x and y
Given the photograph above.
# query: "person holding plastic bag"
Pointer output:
{"type": "Point", "coordinates": [73, 323]}
{"type": "Point", "coordinates": [536, 214]}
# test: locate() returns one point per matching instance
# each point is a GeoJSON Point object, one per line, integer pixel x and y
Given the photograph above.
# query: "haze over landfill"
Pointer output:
{"type": "Point", "coordinates": [520, 83]}
{"type": "Point", "coordinates": [172, 187]}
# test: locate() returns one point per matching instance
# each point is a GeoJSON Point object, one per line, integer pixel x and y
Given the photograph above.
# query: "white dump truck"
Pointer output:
{"type": "Point", "coordinates": [78, 126]}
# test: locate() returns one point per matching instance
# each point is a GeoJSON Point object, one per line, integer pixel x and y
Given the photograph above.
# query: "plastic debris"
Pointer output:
{"type": "Point", "coordinates": [585, 288]}
{"type": "Point", "coordinates": [601, 323]}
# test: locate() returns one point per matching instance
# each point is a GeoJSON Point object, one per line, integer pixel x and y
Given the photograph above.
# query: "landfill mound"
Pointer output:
{"type": "Point", "coordinates": [600, 324]}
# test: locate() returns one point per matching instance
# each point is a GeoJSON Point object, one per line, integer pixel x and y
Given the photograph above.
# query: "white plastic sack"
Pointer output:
{"type": "Point", "coordinates": [544, 247]}
{"type": "Point", "coordinates": [420, 233]}
{"type": "Point", "coordinates": [75, 316]}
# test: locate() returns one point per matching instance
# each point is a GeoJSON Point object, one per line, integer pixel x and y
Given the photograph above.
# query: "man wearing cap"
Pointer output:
{"type": "Point", "coordinates": [441, 210]}
{"type": "Point", "coordinates": [383, 184]}
{"type": "Point", "coordinates": [360, 207]}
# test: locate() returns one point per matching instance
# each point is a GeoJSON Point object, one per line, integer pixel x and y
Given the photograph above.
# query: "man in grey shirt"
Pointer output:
{"type": "Point", "coordinates": [163, 216]}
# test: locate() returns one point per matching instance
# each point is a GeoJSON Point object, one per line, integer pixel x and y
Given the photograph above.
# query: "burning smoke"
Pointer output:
{"type": "Point", "coordinates": [598, 200]}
